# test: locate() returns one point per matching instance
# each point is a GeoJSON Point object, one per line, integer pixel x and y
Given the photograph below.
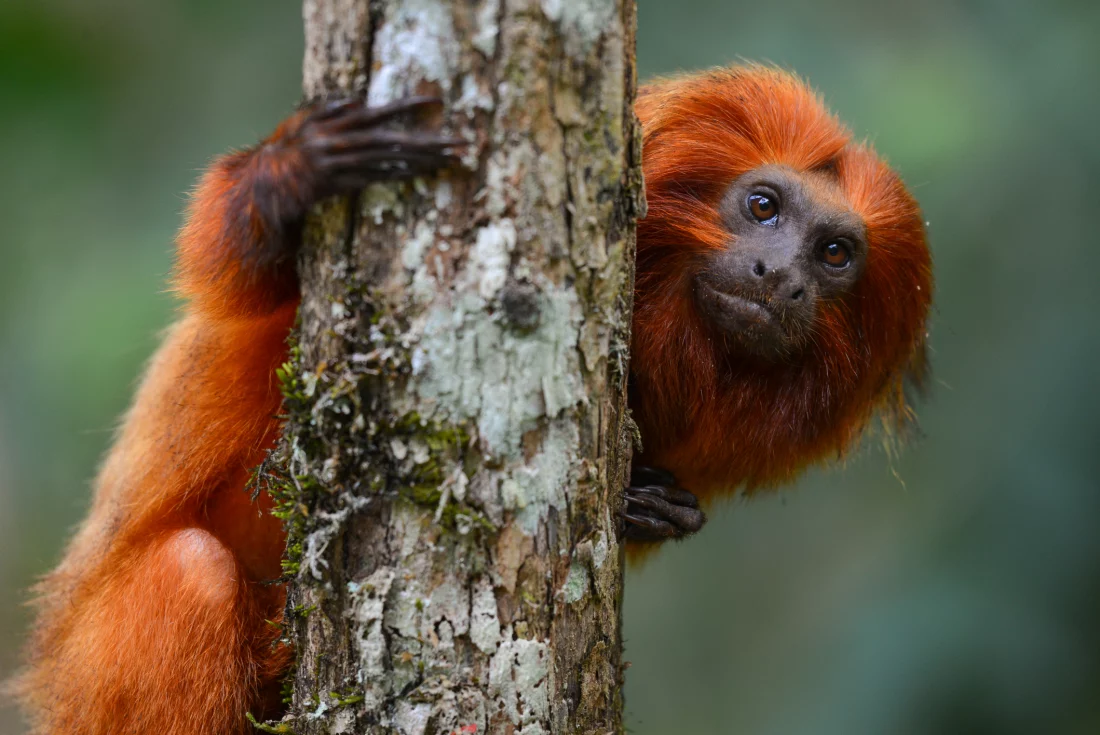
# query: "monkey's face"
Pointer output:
{"type": "Point", "coordinates": [783, 281]}
{"type": "Point", "coordinates": [794, 242]}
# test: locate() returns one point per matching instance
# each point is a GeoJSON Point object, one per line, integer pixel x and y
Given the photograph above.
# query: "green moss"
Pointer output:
{"type": "Point", "coordinates": [422, 484]}
{"type": "Point", "coordinates": [279, 727]}
{"type": "Point", "coordinates": [290, 498]}
{"type": "Point", "coordinates": [345, 699]}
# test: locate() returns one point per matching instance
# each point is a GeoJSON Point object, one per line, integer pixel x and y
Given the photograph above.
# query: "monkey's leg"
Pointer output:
{"type": "Point", "coordinates": [656, 509]}
{"type": "Point", "coordinates": [159, 644]}
{"type": "Point", "coordinates": [244, 223]}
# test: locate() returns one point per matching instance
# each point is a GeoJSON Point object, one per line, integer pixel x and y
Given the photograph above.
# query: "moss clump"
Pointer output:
{"type": "Point", "coordinates": [283, 728]}
{"type": "Point", "coordinates": [345, 699]}
{"type": "Point", "coordinates": [424, 481]}
{"type": "Point", "coordinates": [302, 611]}
{"type": "Point", "coordinates": [290, 496]}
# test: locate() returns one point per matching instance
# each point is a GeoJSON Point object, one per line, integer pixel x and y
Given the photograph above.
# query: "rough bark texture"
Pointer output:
{"type": "Point", "coordinates": [457, 426]}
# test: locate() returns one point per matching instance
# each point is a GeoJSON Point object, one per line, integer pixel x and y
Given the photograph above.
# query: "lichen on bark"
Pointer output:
{"type": "Point", "coordinates": [457, 433]}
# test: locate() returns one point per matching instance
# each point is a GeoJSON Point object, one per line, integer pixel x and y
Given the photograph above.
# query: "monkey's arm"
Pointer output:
{"type": "Point", "coordinates": [236, 251]}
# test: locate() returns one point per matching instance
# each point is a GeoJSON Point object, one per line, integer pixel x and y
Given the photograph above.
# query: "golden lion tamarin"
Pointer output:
{"type": "Point", "coordinates": [783, 282]}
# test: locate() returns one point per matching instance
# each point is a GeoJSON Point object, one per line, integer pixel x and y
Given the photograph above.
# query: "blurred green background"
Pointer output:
{"type": "Point", "coordinates": [956, 590]}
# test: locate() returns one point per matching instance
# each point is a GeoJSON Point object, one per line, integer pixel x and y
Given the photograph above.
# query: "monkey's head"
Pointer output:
{"type": "Point", "coordinates": [783, 281]}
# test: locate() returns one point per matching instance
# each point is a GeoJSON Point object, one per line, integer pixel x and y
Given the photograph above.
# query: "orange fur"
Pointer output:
{"type": "Point", "coordinates": [155, 621]}
{"type": "Point", "coordinates": [719, 421]}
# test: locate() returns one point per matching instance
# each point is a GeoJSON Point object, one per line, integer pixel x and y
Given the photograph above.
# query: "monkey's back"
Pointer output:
{"type": "Point", "coordinates": [202, 419]}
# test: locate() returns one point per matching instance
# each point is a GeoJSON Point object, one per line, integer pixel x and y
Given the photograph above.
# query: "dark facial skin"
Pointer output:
{"type": "Point", "coordinates": [794, 241]}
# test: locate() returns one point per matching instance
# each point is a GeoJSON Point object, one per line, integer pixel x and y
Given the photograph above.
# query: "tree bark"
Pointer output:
{"type": "Point", "coordinates": [457, 431]}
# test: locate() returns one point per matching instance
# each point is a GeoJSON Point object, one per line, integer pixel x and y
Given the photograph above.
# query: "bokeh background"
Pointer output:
{"type": "Point", "coordinates": [955, 590]}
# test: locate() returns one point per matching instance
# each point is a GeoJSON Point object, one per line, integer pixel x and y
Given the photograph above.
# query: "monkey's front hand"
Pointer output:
{"type": "Point", "coordinates": [347, 146]}
{"type": "Point", "coordinates": [655, 509]}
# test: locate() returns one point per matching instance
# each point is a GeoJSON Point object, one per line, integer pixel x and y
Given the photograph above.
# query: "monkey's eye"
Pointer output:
{"type": "Point", "coordinates": [763, 208]}
{"type": "Point", "coordinates": [836, 255]}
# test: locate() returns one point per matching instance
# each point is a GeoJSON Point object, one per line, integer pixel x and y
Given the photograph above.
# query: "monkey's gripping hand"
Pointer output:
{"type": "Point", "coordinates": [244, 226]}
{"type": "Point", "coordinates": [345, 148]}
{"type": "Point", "coordinates": [656, 509]}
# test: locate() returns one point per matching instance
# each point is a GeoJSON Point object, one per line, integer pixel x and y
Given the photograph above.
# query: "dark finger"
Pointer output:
{"type": "Point", "coordinates": [388, 139]}
{"type": "Point", "coordinates": [383, 160]}
{"type": "Point", "coordinates": [652, 527]}
{"type": "Point", "coordinates": [671, 494]}
{"type": "Point", "coordinates": [688, 519]}
{"type": "Point", "coordinates": [366, 116]}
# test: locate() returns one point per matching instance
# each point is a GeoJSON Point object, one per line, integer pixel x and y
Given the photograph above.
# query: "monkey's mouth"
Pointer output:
{"type": "Point", "coordinates": [752, 322]}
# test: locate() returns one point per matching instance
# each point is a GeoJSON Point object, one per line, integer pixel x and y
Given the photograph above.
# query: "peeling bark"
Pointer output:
{"type": "Point", "coordinates": [457, 426]}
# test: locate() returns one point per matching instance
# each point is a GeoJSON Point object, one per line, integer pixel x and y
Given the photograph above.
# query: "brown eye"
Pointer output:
{"type": "Point", "coordinates": [836, 255]}
{"type": "Point", "coordinates": [763, 208]}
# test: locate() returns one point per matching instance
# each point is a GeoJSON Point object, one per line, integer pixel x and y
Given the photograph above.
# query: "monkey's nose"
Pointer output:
{"type": "Point", "coordinates": [779, 282]}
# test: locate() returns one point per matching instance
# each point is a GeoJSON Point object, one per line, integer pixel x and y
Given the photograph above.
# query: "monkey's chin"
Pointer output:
{"type": "Point", "coordinates": [748, 324]}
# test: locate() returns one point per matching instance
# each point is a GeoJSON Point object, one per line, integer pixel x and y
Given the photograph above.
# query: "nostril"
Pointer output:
{"type": "Point", "coordinates": [758, 269]}
{"type": "Point", "coordinates": [798, 294]}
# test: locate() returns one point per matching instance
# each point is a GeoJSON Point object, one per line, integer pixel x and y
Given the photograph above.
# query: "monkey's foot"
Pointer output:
{"type": "Point", "coordinates": [348, 145]}
{"type": "Point", "coordinates": [655, 509]}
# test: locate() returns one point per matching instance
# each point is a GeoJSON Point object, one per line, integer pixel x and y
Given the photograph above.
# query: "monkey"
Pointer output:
{"type": "Point", "coordinates": [782, 289]}
{"type": "Point", "coordinates": [783, 282]}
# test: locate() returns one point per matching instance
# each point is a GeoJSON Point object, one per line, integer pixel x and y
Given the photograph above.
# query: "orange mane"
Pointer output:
{"type": "Point", "coordinates": [720, 420]}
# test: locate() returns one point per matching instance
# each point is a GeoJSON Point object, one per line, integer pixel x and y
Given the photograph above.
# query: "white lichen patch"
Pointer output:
{"type": "Point", "coordinates": [412, 254]}
{"type": "Point", "coordinates": [412, 719]}
{"type": "Point", "coordinates": [343, 722]}
{"type": "Point", "coordinates": [368, 604]}
{"type": "Point", "coordinates": [403, 614]}
{"type": "Point", "coordinates": [501, 173]}
{"type": "Point", "coordinates": [473, 97]}
{"type": "Point", "coordinates": [576, 583]}
{"type": "Point", "coordinates": [424, 286]}
{"type": "Point", "coordinates": [485, 38]}
{"type": "Point", "coordinates": [407, 525]}
{"type": "Point", "coordinates": [518, 679]}
{"type": "Point", "coordinates": [491, 256]}
{"type": "Point", "coordinates": [319, 712]}
{"type": "Point", "coordinates": [444, 195]}
{"type": "Point", "coordinates": [484, 623]}
{"type": "Point", "coordinates": [542, 483]}
{"type": "Point", "coordinates": [448, 608]}
{"type": "Point", "coordinates": [399, 449]}
{"type": "Point", "coordinates": [582, 22]}
{"type": "Point", "coordinates": [421, 452]}
{"type": "Point", "coordinates": [470, 367]}
{"type": "Point", "coordinates": [415, 43]}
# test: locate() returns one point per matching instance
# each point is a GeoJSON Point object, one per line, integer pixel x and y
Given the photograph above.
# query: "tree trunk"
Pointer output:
{"type": "Point", "coordinates": [457, 426]}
